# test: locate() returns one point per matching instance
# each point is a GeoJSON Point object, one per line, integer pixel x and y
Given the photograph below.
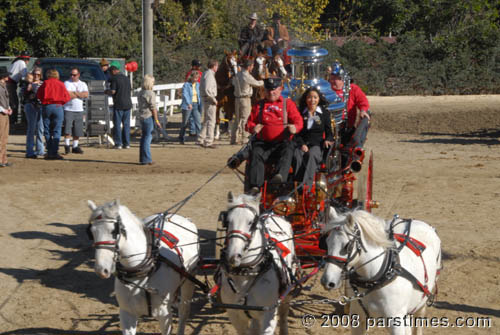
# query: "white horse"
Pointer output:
{"type": "Point", "coordinates": [144, 284]}
{"type": "Point", "coordinates": [252, 273]}
{"type": "Point", "coordinates": [394, 266]}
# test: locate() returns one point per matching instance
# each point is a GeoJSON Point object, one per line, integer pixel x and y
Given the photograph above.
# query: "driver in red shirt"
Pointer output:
{"type": "Point", "coordinates": [274, 121]}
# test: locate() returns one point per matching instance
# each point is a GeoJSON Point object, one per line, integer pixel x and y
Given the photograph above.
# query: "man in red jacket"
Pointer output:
{"type": "Point", "coordinates": [274, 121]}
{"type": "Point", "coordinates": [356, 100]}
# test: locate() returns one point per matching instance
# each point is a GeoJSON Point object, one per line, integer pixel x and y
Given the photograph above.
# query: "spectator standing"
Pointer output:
{"type": "Point", "coordinates": [243, 83]}
{"type": "Point", "coordinates": [5, 111]}
{"type": "Point", "coordinates": [195, 67]}
{"type": "Point", "coordinates": [191, 105]}
{"type": "Point", "coordinates": [148, 115]}
{"type": "Point", "coordinates": [105, 68]}
{"type": "Point", "coordinates": [274, 120]}
{"type": "Point", "coordinates": [73, 111]}
{"type": "Point", "coordinates": [250, 37]}
{"type": "Point", "coordinates": [316, 133]}
{"type": "Point", "coordinates": [276, 35]}
{"type": "Point", "coordinates": [53, 95]}
{"type": "Point", "coordinates": [17, 72]}
{"type": "Point", "coordinates": [120, 89]}
{"type": "Point", "coordinates": [33, 111]}
{"type": "Point", "coordinates": [208, 91]}
{"type": "Point", "coordinates": [195, 126]}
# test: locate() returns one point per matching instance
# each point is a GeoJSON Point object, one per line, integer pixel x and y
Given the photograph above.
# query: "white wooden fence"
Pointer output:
{"type": "Point", "coordinates": [165, 98]}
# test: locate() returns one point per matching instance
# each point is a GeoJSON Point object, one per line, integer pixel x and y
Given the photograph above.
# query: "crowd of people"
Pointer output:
{"type": "Point", "coordinates": [279, 131]}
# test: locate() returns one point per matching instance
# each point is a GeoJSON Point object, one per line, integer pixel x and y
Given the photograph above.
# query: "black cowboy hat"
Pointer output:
{"type": "Point", "coordinates": [272, 83]}
{"type": "Point", "coordinates": [276, 16]}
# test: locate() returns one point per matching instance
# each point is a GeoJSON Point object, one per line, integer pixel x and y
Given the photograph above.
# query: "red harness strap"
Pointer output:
{"type": "Point", "coordinates": [169, 239]}
{"type": "Point", "coordinates": [283, 248]}
{"type": "Point", "coordinates": [415, 245]}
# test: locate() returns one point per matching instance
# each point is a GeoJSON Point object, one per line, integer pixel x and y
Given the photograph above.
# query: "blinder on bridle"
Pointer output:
{"type": "Point", "coordinates": [119, 229]}
{"type": "Point", "coordinates": [347, 250]}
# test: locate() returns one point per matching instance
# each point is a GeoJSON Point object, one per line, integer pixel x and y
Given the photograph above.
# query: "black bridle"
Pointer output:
{"type": "Point", "coordinates": [352, 248]}
{"type": "Point", "coordinates": [246, 237]}
{"type": "Point", "coordinates": [118, 231]}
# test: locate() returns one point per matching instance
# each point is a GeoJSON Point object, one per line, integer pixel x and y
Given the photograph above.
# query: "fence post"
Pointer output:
{"type": "Point", "coordinates": [172, 98]}
{"type": "Point", "coordinates": [164, 118]}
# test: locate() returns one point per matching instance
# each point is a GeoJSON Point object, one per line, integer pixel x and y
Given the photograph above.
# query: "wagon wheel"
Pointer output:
{"type": "Point", "coordinates": [365, 185]}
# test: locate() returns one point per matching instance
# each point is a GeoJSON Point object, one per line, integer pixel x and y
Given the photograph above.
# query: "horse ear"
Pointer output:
{"type": "Point", "coordinates": [92, 205]}
{"type": "Point", "coordinates": [116, 202]}
{"type": "Point", "coordinates": [230, 196]}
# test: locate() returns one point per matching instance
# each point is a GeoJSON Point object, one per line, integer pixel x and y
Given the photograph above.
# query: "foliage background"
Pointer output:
{"type": "Point", "coordinates": [442, 46]}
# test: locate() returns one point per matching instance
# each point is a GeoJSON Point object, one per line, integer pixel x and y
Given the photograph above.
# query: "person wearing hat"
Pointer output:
{"type": "Point", "coordinates": [356, 99]}
{"type": "Point", "coordinates": [273, 121]}
{"type": "Point", "coordinates": [5, 111]}
{"type": "Point", "coordinates": [243, 83]}
{"type": "Point", "coordinates": [105, 68]}
{"type": "Point", "coordinates": [250, 37]}
{"type": "Point", "coordinates": [276, 35]}
{"type": "Point", "coordinates": [120, 90]}
{"type": "Point", "coordinates": [17, 72]}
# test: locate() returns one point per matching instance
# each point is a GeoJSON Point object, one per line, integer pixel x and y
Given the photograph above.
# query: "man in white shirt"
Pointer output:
{"type": "Point", "coordinates": [73, 111]}
{"type": "Point", "coordinates": [243, 83]}
{"type": "Point", "coordinates": [208, 91]}
{"type": "Point", "coordinates": [17, 72]}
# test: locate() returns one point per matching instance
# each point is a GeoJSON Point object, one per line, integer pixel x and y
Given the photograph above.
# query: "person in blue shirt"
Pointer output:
{"type": "Point", "coordinates": [191, 105]}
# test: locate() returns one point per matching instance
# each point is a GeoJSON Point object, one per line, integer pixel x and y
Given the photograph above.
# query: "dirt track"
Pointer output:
{"type": "Point", "coordinates": [436, 159]}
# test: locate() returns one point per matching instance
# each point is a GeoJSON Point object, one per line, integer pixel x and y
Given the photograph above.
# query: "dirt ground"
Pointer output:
{"type": "Point", "coordinates": [436, 159]}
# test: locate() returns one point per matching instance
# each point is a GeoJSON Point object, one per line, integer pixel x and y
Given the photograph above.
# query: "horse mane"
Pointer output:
{"type": "Point", "coordinates": [372, 227]}
{"type": "Point", "coordinates": [245, 199]}
{"type": "Point", "coordinates": [124, 210]}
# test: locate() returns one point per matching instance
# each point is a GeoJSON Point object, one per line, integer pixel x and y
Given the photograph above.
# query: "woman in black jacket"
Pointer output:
{"type": "Point", "coordinates": [316, 134]}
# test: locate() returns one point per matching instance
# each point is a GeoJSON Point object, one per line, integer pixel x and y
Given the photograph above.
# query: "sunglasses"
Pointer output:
{"type": "Point", "coordinates": [37, 74]}
{"type": "Point", "coordinates": [74, 74]}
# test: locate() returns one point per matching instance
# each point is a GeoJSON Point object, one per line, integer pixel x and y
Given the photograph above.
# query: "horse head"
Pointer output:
{"type": "Point", "coordinates": [348, 239]}
{"type": "Point", "coordinates": [242, 222]}
{"type": "Point", "coordinates": [106, 228]}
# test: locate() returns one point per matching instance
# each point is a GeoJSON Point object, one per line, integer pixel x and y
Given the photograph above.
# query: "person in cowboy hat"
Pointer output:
{"type": "Point", "coordinates": [105, 68]}
{"type": "Point", "coordinates": [250, 37]}
{"type": "Point", "coordinates": [5, 111]}
{"type": "Point", "coordinates": [273, 121]}
{"type": "Point", "coordinates": [276, 35]}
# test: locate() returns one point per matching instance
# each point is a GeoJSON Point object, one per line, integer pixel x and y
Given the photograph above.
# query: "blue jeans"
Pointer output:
{"type": "Point", "coordinates": [147, 126]}
{"type": "Point", "coordinates": [194, 115]}
{"type": "Point", "coordinates": [121, 135]}
{"type": "Point", "coordinates": [35, 128]}
{"type": "Point", "coordinates": [53, 116]}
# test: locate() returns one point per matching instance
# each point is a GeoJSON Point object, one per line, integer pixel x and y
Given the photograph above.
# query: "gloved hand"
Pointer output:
{"type": "Point", "coordinates": [233, 162]}
{"type": "Point", "coordinates": [260, 60]}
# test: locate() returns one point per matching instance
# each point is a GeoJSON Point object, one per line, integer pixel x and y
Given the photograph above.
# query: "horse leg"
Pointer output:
{"type": "Point", "coordinates": [268, 322]}
{"type": "Point", "coordinates": [283, 315]}
{"type": "Point", "coordinates": [165, 320]}
{"type": "Point", "coordinates": [239, 321]}
{"type": "Point", "coordinates": [128, 323]}
{"type": "Point", "coordinates": [358, 328]}
{"type": "Point", "coordinates": [187, 290]}
{"type": "Point", "coordinates": [419, 314]}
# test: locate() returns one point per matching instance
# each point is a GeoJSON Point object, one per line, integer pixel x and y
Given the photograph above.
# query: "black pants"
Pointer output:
{"type": "Point", "coordinates": [269, 152]}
